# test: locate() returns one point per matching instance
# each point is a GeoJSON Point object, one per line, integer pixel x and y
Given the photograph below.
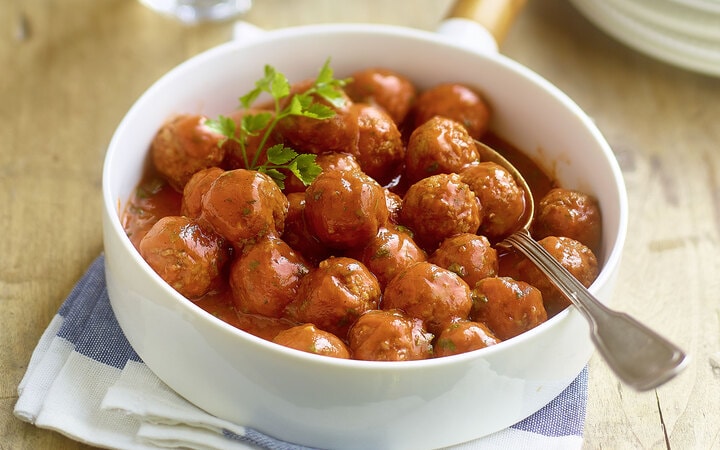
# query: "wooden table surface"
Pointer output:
{"type": "Point", "coordinates": [72, 68]}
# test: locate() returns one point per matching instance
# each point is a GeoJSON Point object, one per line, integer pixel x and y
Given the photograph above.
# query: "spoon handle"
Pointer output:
{"type": "Point", "coordinates": [639, 356]}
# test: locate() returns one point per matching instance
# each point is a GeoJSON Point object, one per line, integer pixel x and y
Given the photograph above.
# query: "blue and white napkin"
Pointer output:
{"type": "Point", "coordinates": [85, 381]}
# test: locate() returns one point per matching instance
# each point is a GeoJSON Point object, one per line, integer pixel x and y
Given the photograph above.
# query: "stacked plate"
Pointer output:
{"type": "Point", "coordinates": [685, 33]}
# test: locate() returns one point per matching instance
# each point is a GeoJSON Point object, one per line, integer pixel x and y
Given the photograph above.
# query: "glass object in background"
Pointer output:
{"type": "Point", "coordinates": [196, 11]}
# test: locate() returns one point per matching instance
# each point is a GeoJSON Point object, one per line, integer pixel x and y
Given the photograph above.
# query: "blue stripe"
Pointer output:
{"type": "Point", "coordinates": [262, 440]}
{"type": "Point", "coordinates": [89, 322]}
{"type": "Point", "coordinates": [565, 415]}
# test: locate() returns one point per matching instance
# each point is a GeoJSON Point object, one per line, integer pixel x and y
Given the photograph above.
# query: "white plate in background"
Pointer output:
{"type": "Point", "coordinates": [679, 32]}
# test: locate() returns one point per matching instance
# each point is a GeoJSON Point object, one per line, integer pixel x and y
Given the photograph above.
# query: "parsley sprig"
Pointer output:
{"type": "Point", "coordinates": [302, 104]}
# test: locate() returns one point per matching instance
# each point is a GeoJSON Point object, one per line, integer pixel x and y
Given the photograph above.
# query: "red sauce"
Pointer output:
{"type": "Point", "coordinates": [152, 200]}
{"type": "Point", "coordinates": [220, 304]}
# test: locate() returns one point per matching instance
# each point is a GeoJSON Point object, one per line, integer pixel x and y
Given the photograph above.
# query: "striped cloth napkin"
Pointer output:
{"type": "Point", "coordinates": [85, 381]}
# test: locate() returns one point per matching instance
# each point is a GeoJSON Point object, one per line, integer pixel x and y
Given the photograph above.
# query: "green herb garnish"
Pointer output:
{"type": "Point", "coordinates": [302, 104]}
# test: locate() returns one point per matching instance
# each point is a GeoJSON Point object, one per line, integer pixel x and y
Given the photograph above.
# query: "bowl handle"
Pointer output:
{"type": "Point", "coordinates": [245, 31]}
{"type": "Point", "coordinates": [480, 24]}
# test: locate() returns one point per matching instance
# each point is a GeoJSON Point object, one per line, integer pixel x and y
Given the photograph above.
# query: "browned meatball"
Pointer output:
{"type": "Point", "coordinates": [394, 205]}
{"type": "Point", "coordinates": [266, 277]}
{"type": "Point", "coordinates": [389, 336]}
{"type": "Point", "coordinates": [334, 295]}
{"type": "Point", "coordinates": [243, 206]}
{"type": "Point", "coordinates": [508, 307]}
{"type": "Point", "coordinates": [430, 293]}
{"type": "Point", "coordinates": [188, 257]}
{"type": "Point", "coordinates": [381, 151]}
{"type": "Point", "coordinates": [387, 89]}
{"type": "Point", "coordinates": [438, 207]}
{"type": "Point", "coordinates": [327, 162]}
{"type": "Point", "coordinates": [503, 201]}
{"type": "Point", "coordinates": [335, 134]}
{"type": "Point", "coordinates": [308, 338]}
{"type": "Point", "coordinates": [454, 101]}
{"type": "Point", "coordinates": [296, 233]}
{"type": "Point", "coordinates": [390, 251]}
{"type": "Point", "coordinates": [183, 146]}
{"type": "Point", "coordinates": [440, 145]}
{"type": "Point", "coordinates": [463, 336]}
{"type": "Point", "coordinates": [569, 213]}
{"type": "Point", "coordinates": [469, 256]}
{"type": "Point", "coordinates": [195, 188]}
{"type": "Point", "coordinates": [337, 161]}
{"type": "Point", "coordinates": [345, 209]}
{"type": "Point", "coordinates": [578, 259]}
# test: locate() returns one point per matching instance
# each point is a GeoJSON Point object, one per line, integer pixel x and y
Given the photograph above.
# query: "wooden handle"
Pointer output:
{"type": "Point", "coordinates": [496, 16]}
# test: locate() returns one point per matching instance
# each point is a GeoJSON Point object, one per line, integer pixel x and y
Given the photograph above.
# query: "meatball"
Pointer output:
{"type": "Point", "coordinates": [183, 146]}
{"type": "Point", "coordinates": [381, 151]}
{"type": "Point", "coordinates": [440, 145]}
{"type": "Point", "coordinates": [266, 277]}
{"type": "Point", "coordinates": [462, 336]}
{"type": "Point", "coordinates": [578, 259]}
{"type": "Point", "coordinates": [385, 88]}
{"type": "Point", "coordinates": [457, 102]}
{"type": "Point", "coordinates": [569, 213]}
{"type": "Point", "coordinates": [390, 251]}
{"type": "Point", "coordinates": [439, 207]}
{"type": "Point", "coordinates": [389, 336]}
{"type": "Point", "coordinates": [508, 307]}
{"type": "Point", "coordinates": [334, 295]}
{"type": "Point", "coordinates": [337, 161]}
{"type": "Point", "coordinates": [394, 205]}
{"type": "Point", "coordinates": [310, 339]}
{"type": "Point", "coordinates": [345, 209]}
{"type": "Point", "coordinates": [195, 188]}
{"type": "Point", "coordinates": [243, 206]}
{"type": "Point", "coordinates": [503, 201]}
{"type": "Point", "coordinates": [338, 133]}
{"type": "Point", "coordinates": [188, 257]}
{"type": "Point", "coordinates": [430, 293]}
{"type": "Point", "coordinates": [468, 255]}
{"type": "Point", "coordinates": [296, 233]}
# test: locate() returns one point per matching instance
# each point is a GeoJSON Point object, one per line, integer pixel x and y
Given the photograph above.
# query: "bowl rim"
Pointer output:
{"type": "Point", "coordinates": [113, 207]}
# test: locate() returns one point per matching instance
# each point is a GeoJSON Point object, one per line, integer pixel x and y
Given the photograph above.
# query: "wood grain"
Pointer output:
{"type": "Point", "coordinates": [72, 68]}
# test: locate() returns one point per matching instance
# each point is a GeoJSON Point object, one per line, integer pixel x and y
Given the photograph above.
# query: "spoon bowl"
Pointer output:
{"type": "Point", "coordinates": [640, 357]}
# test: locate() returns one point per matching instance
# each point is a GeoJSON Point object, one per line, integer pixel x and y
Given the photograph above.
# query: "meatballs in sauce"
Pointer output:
{"type": "Point", "coordinates": [387, 250]}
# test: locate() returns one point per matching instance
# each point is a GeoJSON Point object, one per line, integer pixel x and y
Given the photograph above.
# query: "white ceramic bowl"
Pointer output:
{"type": "Point", "coordinates": [325, 402]}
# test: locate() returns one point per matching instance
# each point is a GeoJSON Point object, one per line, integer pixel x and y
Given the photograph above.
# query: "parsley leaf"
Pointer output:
{"type": "Point", "coordinates": [305, 168]}
{"type": "Point", "coordinates": [223, 125]}
{"type": "Point", "coordinates": [279, 154]}
{"type": "Point", "coordinates": [262, 123]}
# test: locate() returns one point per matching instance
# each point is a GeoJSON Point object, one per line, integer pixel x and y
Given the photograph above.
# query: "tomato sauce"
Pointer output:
{"type": "Point", "coordinates": [219, 303]}
{"type": "Point", "coordinates": [152, 200]}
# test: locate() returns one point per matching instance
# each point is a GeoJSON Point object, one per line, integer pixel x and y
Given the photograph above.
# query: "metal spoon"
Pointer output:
{"type": "Point", "coordinates": [639, 356]}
